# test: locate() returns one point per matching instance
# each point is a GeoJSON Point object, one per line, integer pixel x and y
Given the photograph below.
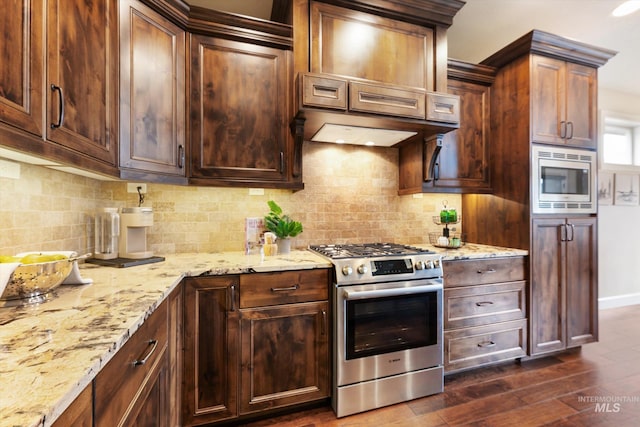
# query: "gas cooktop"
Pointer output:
{"type": "Point", "coordinates": [362, 250]}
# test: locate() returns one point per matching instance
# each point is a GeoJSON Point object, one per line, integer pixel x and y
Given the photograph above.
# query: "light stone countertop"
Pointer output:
{"type": "Point", "coordinates": [474, 251]}
{"type": "Point", "coordinates": [50, 352]}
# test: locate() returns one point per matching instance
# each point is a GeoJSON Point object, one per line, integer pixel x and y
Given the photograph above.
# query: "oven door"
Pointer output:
{"type": "Point", "coordinates": [387, 329]}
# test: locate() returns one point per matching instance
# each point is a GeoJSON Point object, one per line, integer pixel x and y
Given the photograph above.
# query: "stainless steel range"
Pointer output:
{"type": "Point", "coordinates": [387, 302]}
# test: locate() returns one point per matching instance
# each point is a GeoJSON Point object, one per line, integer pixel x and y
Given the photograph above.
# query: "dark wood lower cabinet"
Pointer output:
{"type": "Point", "coordinates": [253, 343]}
{"type": "Point", "coordinates": [564, 287]}
{"type": "Point", "coordinates": [79, 413]}
{"type": "Point", "coordinates": [132, 389]}
{"type": "Point", "coordinates": [284, 355]}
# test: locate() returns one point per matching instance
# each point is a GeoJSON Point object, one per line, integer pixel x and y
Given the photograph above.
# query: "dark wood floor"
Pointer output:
{"type": "Point", "coordinates": [550, 391]}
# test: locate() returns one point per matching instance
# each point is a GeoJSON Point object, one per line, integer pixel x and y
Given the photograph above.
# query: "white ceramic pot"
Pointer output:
{"type": "Point", "coordinates": [284, 245]}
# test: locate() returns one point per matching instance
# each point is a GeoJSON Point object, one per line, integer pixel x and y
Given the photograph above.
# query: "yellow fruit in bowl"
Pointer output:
{"type": "Point", "coordinates": [37, 258]}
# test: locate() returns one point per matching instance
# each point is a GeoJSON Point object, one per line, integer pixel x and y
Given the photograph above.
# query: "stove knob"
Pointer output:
{"type": "Point", "coordinates": [429, 264]}
{"type": "Point", "coordinates": [436, 263]}
{"type": "Point", "coordinates": [419, 265]}
{"type": "Point", "coordinates": [347, 270]}
{"type": "Point", "coordinates": [362, 269]}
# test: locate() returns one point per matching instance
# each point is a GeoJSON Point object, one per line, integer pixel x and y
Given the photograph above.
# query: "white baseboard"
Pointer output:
{"type": "Point", "coordinates": [618, 301]}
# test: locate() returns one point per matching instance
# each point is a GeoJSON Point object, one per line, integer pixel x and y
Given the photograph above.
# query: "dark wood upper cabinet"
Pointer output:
{"type": "Point", "coordinates": [152, 96]}
{"type": "Point", "coordinates": [564, 103]}
{"type": "Point", "coordinates": [458, 161]}
{"type": "Point", "coordinates": [21, 68]}
{"type": "Point", "coordinates": [82, 77]}
{"type": "Point", "coordinates": [240, 99]}
{"type": "Point", "coordinates": [59, 92]}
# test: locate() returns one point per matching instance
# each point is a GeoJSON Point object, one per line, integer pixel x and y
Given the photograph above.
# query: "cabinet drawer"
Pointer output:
{"type": "Point", "coordinates": [119, 383]}
{"type": "Point", "coordinates": [263, 289]}
{"type": "Point", "coordinates": [484, 304]}
{"type": "Point", "coordinates": [370, 98]}
{"type": "Point", "coordinates": [471, 347]}
{"type": "Point", "coordinates": [321, 91]}
{"type": "Point", "coordinates": [443, 108]}
{"type": "Point", "coordinates": [483, 271]}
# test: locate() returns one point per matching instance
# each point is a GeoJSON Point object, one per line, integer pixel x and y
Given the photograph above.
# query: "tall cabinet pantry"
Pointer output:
{"type": "Point", "coordinates": [545, 94]}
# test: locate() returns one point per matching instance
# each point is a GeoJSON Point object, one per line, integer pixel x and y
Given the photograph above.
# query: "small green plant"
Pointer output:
{"type": "Point", "coordinates": [282, 225]}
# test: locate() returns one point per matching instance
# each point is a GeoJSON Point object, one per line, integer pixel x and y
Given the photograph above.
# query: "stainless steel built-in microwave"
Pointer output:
{"type": "Point", "coordinates": [564, 180]}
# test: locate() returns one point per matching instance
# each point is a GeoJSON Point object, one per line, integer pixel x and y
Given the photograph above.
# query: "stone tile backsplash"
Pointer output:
{"type": "Point", "coordinates": [350, 195]}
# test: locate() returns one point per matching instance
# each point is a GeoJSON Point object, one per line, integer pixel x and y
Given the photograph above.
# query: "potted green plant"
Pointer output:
{"type": "Point", "coordinates": [282, 226]}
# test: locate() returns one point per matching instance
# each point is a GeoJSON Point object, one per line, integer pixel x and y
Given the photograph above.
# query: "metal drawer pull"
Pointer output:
{"type": "Point", "coordinates": [153, 344]}
{"type": "Point", "coordinates": [486, 344]}
{"type": "Point", "coordinates": [491, 270]}
{"type": "Point", "coordinates": [484, 303]}
{"type": "Point", "coordinates": [290, 288]}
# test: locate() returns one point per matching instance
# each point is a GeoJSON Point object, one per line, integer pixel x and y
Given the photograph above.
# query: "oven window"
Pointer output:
{"type": "Point", "coordinates": [384, 325]}
{"type": "Point", "coordinates": [564, 180]}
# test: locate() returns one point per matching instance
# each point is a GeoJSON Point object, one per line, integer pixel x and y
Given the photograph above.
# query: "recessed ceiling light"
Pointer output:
{"type": "Point", "coordinates": [626, 8]}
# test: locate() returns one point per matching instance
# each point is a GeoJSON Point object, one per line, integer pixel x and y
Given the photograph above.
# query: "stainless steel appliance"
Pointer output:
{"type": "Point", "coordinates": [387, 302]}
{"type": "Point", "coordinates": [563, 180]}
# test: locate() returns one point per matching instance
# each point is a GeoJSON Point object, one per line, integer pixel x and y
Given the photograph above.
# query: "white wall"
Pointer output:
{"type": "Point", "coordinates": [618, 229]}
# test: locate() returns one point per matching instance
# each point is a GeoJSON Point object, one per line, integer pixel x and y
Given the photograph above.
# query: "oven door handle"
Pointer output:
{"type": "Point", "coordinates": [378, 293]}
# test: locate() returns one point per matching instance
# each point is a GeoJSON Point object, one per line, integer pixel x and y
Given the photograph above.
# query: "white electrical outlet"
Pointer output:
{"type": "Point", "coordinates": [256, 191]}
{"type": "Point", "coordinates": [9, 169]}
{"type": "Point", "coordinates": [132, 187]}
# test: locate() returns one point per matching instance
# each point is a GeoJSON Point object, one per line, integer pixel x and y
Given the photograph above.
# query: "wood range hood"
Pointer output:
{"type": "Point", "coordinates": [372, 73]}
{"type": "Point", "coordinates": [350, 111]}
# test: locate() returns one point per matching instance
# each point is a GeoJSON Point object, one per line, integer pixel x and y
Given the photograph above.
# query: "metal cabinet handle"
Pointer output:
{"type": "Point", "coordinates": [571, 134]}
{"type": "Point", "coordinates": [491, 270]}
{"type": "Point", "coordinates": [573, 232]}
{"type": "Point", "coordinates": [60, 106]}
{"type": "Point", "coordinates": [486, 344]}
{"type": "Point", "coordinates": [484, 303]}
{"type": "Point", "coordinates": [151, 343]}
{"type": "Point", "coordinates": [282, 162]}
{"type": "Point", "coordinates": [563, 129]}
{"type": "Point", "coordinates": [324, 322]}
{"type": "Point", "coordinates": [289, 288]}
{"type": "Point", "coordinates": [180, 156]}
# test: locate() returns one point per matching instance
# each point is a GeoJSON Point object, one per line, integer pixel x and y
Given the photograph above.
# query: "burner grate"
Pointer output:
{"type": "Point", "coordinates": [362, 250]}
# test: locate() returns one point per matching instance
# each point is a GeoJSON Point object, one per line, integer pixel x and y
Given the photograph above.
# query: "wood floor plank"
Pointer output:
{"type": "Point", "coordinates": [567, 389]}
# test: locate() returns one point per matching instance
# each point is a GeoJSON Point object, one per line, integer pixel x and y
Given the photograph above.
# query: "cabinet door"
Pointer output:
{"type": "Point", "coordinates": [239, 107]}
{"type": "Point", "coordinates": [152, 93]}
{"type": "Point", "coordinates": [81, 79]}
{"type": "Point", "coordinates": [464, 158]}
{"type": "Point", "coordinates": [582, 282]}
{"type": "Point", "coordinates": [211, 343]}
{"type": "Point", "coordinates": [547, 298]}
{"type": "Point", "coordinates": [547, 100]}
{"type": "Point", "coordinates": [581, 106]}
{"type": "Point", "coordinates": [366, 46]}
{"type": "Point", "coordinates": [21, 68]}
{"type": "Point", "coordinates": [285, 355]}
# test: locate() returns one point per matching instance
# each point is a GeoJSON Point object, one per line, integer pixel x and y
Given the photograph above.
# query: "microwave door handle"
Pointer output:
{"type": "Point", "coordinates": [379, 293]}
